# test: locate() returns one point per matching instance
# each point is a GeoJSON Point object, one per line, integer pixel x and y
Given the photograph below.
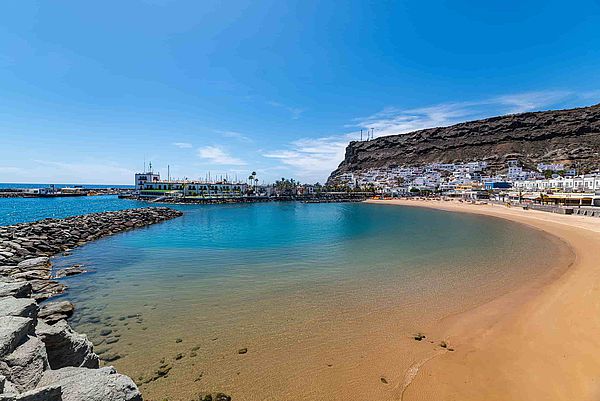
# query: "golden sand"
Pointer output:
{"type": "Point", "coordinates": [539, 343]}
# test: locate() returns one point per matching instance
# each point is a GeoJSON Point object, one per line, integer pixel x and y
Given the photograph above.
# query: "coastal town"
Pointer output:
{"type": "Point", "coordinates": [551, 183]}
{"type": "Point", "coordinates": [544, 183]}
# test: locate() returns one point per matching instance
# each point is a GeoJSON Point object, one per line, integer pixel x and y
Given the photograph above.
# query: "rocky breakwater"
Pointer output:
{"type": "Point", "coordinates": [41, 357]}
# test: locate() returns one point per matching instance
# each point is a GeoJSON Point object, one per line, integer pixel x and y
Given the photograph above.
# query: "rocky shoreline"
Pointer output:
{"type": "Point", "coordinates": [41, 357]}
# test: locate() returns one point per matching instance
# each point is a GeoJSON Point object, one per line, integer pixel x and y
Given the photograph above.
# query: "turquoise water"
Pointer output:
{"type": "Point", "coordinates": [20, 210]}
{"type": "Point", "coordinates": [4, 185]}
{"type": "Point", "coordinates": [249, 252]}
{"type": "Point", "coordinates": [282, 277]}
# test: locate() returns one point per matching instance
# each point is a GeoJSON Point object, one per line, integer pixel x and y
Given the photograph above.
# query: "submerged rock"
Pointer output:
{"type": "Point", "coordinates": [215, 397]}
{"type": "Point", "coordinates": [70, 271]}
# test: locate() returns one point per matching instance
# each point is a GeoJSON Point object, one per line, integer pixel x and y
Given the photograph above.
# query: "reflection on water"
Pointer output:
{"type": "Point", "coordinates": [282, 277]}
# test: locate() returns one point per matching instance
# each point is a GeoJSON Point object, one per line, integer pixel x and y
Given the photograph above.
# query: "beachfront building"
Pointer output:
{"type": "Point", "coordinates": [141, 179]}
{"type": "Point", "coordinates": [580, 183]}
{"type": "Point", "coordinates": [457, 178]}
{"type": "Point", "coordinates": [190, 188]}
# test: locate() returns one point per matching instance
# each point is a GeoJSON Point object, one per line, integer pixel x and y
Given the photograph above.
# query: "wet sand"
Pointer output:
{"type": "Point", "coordinates": [538, 343]}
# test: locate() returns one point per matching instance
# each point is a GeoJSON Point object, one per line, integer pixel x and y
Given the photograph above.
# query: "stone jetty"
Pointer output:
{"type": "Point", "coordinates": [41, 357]}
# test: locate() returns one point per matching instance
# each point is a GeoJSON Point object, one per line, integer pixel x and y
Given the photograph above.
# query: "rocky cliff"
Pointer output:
{"type": "Point", "coordinates": [568, 136]}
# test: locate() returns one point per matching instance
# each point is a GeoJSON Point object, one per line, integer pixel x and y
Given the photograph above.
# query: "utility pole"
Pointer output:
{"type": "Point", "coordinates": [361, 135]}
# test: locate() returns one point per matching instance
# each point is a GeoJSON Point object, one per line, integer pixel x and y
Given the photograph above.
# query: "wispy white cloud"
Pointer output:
{"type": "Point", "coordinates": [182, 145]}
{"type": "Point", "coordinates": [217, 155]}
{"type": "Point", "coordinates": [295, 112]}
{"type": "Point", "coordinates": [392, 120]}
{"type": "Point", "coordinates": [312, 159]}
{"type": "Point", "coordinates": [530, 101]}
{"type": "Point", "coordinates": [235, 135]}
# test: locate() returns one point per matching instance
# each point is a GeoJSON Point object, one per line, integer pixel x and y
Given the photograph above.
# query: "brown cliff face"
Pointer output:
{"type": "Point", "coordinates": [568, 136]}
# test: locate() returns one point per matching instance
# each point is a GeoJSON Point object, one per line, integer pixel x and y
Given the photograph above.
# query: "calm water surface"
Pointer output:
{"type": "Point", "coordinates": [320, 294]}
{"type": "Point", "coordinates": [20, 210]}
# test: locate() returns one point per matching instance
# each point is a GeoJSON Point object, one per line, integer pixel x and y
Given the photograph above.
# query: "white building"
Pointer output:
{"type": "Point", "coordinates": [141, 179]}
{"type": "Point", "coordinates": [193, 188]}
{"type": "Point", "coordinates": [514, 172]}
{"type": "Point", "coordinates": [580, 183]}
{"type": "Point", "coordinates": [550, 166]}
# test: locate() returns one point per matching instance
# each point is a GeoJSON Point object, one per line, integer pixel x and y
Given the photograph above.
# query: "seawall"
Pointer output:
{"type": "Point", "coordinates": [41, 357]}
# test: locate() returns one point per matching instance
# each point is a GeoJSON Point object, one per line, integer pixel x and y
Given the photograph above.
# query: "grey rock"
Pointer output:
{"type": "Point", "coordinates": [2, 381]}
{"type": "Point", "coordinates": [11, 244]}
{"type": "Point", "coordinates": [48, 393]}
{"type": "Point", "coordinates": [24, 307]}
{"type": "Point", "coordinates": [10, 388]}
{"type": "Point", "coordinates": [103, 384]}
{"type": "Point", "coordinates": [52, 312]}
{"type": "Point", "coordinates": [7, 270]}
{"type": "Point", "coordinates": [44, 289]}
{"type": "Point", "coordinates": [66, 347]}
{"type": "Point", "coordinates": [13, 331]}
{"type": "Point", "coordinates": [27, 264]}
{"type": "Point", "coordinates": [70, 271]}
{"type": "Point", "coordinates": [35, 274]}
{"type": "Point", "coordinates": [25, 365]}
{"type": "Point", "coordinates": [17, 289]}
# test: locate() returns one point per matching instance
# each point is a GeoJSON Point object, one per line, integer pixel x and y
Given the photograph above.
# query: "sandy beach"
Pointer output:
{"type": "Point", "coordinates": [538, 343]}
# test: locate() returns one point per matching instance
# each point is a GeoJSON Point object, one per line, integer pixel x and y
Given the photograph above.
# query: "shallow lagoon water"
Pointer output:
{"type": "Point", "coordinates": [323, 296]}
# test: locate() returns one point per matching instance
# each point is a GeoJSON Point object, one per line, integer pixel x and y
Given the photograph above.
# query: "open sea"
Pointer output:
{"type": "Point", "coordinates": [283, 301]}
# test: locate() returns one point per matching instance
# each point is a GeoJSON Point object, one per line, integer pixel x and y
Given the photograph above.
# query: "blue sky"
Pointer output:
{"type": "Point", "coordinates": [88, 90]}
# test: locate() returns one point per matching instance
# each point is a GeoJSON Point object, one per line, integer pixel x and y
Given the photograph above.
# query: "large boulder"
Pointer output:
{"type": "Point", "coordinates": [24, 307]}
{"type": "Point", "coordinates": [13, 288]}
{"type": "Point", "coordinates": [34, 263]}
{"type": "Point", "coordinates": [13, 331]}
{"type": "Point", "coordinates": [66, 347]}
{"type": "Point", "coordinates": [48, 393]}
{"type": "Point", "coordinates": [33, 269]}
{"type": "Point", "coordinates": [52, 312]}
{"type": "Point", "coordinates": [103, 384]}
{"type": "Point", "coordinates": [44, 289]}
{"type": "Point", "coordinates": [25, 365]}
